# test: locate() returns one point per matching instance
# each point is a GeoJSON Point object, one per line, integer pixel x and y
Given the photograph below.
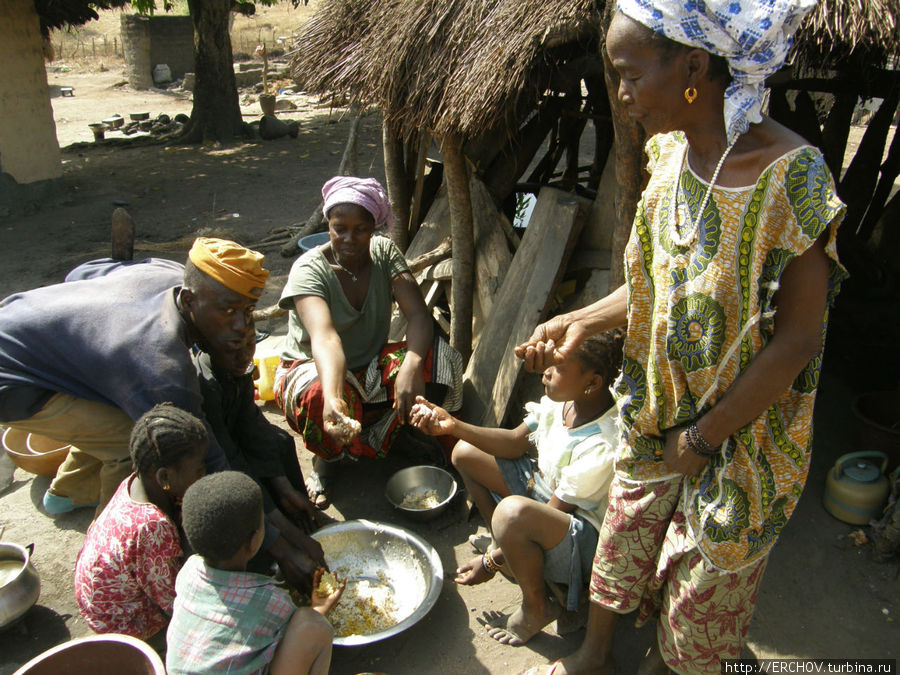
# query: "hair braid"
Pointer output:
{"type": "Point", "coordinates": [603, 353]}
{"type": "Point", "coordinates": [163, 435]}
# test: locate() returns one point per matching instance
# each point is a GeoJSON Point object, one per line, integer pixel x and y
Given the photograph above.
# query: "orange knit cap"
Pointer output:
{"type": "Point", "coordinates": [232, 265]}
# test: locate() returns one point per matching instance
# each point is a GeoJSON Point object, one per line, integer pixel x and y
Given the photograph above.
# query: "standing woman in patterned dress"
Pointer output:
{"type": "Point", "coordinates": [730, 269]}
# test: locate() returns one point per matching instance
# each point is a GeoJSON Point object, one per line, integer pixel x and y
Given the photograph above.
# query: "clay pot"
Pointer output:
{"type": "Point", "coordinates": [35, 454]}
{"type": "Point", "coordinates": [267, 104]}
{"type": "Point", "coordinates": [99, 130]}
{"type": "Point", "coordinates": [878, 418]}
{"type": "Point", "coordinates": [109, 654]}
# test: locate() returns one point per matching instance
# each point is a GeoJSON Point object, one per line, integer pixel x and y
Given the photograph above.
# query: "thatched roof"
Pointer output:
{"type": "Point", "coordinates": [464, 65]}
{"type": "Point", "coordinates": [849, 31]}
{"type": "Point", "coordinates": [445, 65]}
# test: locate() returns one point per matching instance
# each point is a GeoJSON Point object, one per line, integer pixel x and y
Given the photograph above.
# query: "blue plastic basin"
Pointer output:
{"type": "Point", "coordinates": [310, 241]}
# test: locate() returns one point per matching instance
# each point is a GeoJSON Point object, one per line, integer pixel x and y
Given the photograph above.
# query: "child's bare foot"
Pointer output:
{"type": "Point", "coordinates": [518, 628]}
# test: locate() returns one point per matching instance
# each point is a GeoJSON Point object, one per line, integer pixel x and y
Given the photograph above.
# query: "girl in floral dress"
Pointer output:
{"type": "Point", "coordinates": [125, 574]}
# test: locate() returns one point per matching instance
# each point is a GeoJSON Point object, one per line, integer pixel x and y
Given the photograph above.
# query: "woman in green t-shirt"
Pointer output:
{"type": "Point", "coordinates": [341, 385]}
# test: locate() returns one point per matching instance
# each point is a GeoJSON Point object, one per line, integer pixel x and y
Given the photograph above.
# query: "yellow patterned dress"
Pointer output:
{"type": "Point", "coordinates": [697, 315]}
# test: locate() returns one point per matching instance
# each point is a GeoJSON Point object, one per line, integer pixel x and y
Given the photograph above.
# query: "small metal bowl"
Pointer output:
{"type": "Point", "coordinates": [418, 478]}
{"type": "Point", "coordinates": [400, 558]}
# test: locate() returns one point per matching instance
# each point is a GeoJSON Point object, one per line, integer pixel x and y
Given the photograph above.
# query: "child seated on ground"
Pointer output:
{"type": "Point", "coordinates": [227, 619]}
{"type": "Point", "coordinates": [125, 574]}
{"type": "Point", "coordinates": [543, 513]}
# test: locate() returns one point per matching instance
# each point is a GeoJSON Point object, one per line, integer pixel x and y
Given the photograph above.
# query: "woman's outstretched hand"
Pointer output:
{"type": "Point", "coordinates": [551, 342]}
{"type": "Point", "coordinates": [430, 418]}
{"type": "Point", "coordinates": [339, 423]}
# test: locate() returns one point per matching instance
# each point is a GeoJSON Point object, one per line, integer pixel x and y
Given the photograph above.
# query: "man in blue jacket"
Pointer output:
{"type": "Point", "coordinates": [82, 360]}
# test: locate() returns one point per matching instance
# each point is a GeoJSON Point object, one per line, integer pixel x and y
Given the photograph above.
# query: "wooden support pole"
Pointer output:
{"type": "Point", "coordinates": [859, 181]}
{"type": "Point", "coordinates": [463, 237]}
{"type": "Point", "coordinates": [397, 186]}
{"type": "Point", "coordinates": [890, 169]}
{"type": "Point", "coordinates": [424, 141]}
{"type": "Point", "coordinates": [629, 176]}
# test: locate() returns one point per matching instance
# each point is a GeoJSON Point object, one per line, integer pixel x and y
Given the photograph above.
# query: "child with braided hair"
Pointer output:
{"type": "Point", "coordinates": [544, 513]}
{"type": "Point", "coordinates": [125, 574]}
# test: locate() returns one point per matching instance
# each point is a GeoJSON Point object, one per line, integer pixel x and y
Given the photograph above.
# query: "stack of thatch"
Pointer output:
{"type": "Point", "coordinates": [843, 32]}
{"type": "Point", "coordinates": [442, 65]}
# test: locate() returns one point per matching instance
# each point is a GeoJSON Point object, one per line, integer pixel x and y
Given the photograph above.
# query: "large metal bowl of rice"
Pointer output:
{"type": "Point", "coordinates": [394, 577]}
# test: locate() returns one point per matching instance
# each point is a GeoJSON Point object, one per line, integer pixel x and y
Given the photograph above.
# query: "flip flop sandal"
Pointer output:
{"type": "Point", "coordinates": [317, 489]}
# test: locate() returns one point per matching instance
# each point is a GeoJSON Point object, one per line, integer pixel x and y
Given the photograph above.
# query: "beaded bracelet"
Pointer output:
{"type": "Point", "coordinates": [699, 445]}
{"type": "Point", "coordinates": [488, 562]}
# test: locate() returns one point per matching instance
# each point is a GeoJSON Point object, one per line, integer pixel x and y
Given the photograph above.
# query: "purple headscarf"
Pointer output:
{"type": "Point", "coordinates": [365, 192]}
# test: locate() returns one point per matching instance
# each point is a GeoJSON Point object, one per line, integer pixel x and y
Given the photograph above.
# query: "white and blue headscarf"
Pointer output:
{"type": "Point", "coordinates": [754, 36]}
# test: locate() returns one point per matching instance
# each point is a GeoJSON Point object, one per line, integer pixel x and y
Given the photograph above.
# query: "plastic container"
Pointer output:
{"type": "Point", "coordinates": [162, 73]}
{"type": "Point", "coordinates": [856, 488]}
{"type": "Point", "coordinates": [266, 359]}
{"type": "Point", "coordinates": [310, 241]}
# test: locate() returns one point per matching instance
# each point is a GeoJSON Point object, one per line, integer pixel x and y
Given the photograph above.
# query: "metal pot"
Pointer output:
{"type": "Point", "coordinates": [22, 590]}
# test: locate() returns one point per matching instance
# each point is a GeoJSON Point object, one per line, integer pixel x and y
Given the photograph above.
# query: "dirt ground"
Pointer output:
{"type": "Point", "coordinates": [822, 596]}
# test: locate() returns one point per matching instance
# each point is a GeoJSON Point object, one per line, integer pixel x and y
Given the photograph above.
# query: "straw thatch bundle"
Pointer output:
{"type": "Point", "coordinates": [443, 65]}
{"type": "Point", "coordinates": [842, 32]}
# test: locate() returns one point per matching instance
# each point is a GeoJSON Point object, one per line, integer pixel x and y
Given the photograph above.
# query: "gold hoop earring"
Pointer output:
{"type": "Point", "coordinates": [690, 95]}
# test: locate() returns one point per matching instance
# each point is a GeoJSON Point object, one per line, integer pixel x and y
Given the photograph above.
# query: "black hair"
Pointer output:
{"type": "Point", "coordinates": [603, 353]}
{"type": "Point", "coordinates": [666, 47]}
{"type": "Point", "coordinates": [220, 514]}
{"type": "Point", "coordinates": [163, 435]}
{"type": "Point", "coordinates": [194, 277]}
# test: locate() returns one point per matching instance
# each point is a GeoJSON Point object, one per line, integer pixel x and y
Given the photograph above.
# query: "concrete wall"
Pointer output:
{"type": "Point", "coordinates": [148, 41]}
{"type": "Point", "coordinates": [136, 47]}
{"type": "Point", "coordinates": [172, 43]}
{"type": "Point", "coordinates": [29, 150]}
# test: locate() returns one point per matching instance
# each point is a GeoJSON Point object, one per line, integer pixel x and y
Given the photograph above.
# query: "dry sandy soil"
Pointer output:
{"type": "Point", "coordinates": [822, 595]}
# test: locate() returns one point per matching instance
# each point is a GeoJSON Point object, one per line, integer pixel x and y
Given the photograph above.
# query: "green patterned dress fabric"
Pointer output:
{"type": "Point", "coordinates": [698, 314]}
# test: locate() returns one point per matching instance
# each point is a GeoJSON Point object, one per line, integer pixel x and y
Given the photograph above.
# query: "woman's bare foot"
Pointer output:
{"type": "Point", "coordinates": [518, 628]}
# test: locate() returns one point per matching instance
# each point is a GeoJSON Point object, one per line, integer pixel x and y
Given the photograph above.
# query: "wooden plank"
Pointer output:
{"type": "Point", "coordinates": [590, 259]}
{"type": "Point", "coordinates": [435, 227]}
{"type": "Point", "coordinates": [442, 271]}
{"type": "Point", "coordinates": [521, 304]}
{"type": "Point", "coordinates": [492, 256]}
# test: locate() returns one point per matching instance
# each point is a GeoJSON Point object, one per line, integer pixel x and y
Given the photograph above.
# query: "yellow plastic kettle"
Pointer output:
{"type": "Point", "coordinates": [856, 488]}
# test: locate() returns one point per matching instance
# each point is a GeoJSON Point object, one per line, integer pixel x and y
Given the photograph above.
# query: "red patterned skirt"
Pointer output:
{"type": "Point", "coordinates": [369, 394]}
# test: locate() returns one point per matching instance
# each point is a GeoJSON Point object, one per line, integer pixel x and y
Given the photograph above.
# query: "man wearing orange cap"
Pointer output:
{"type": "Point", "coordinates": [82, 360]}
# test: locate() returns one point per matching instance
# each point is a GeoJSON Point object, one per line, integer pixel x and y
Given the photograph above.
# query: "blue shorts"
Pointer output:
{"type": "Point", "coordinates": [569, 562]}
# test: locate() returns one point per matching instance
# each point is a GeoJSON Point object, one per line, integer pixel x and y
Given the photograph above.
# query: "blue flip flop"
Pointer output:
{"type": "Point", "coordinates": [57, 504]}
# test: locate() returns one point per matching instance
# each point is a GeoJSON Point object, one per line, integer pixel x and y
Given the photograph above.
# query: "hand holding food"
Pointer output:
{"type": "Point", "coordinates": [326, 591]}
{"type": "Point", "coordinates": [341, 427]}
{"type": "Point", "coordinates": [430, 418]}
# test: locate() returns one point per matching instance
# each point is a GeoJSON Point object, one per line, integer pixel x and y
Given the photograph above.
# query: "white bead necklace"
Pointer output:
{"type": "Point", "coordinates": [689, 237]}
